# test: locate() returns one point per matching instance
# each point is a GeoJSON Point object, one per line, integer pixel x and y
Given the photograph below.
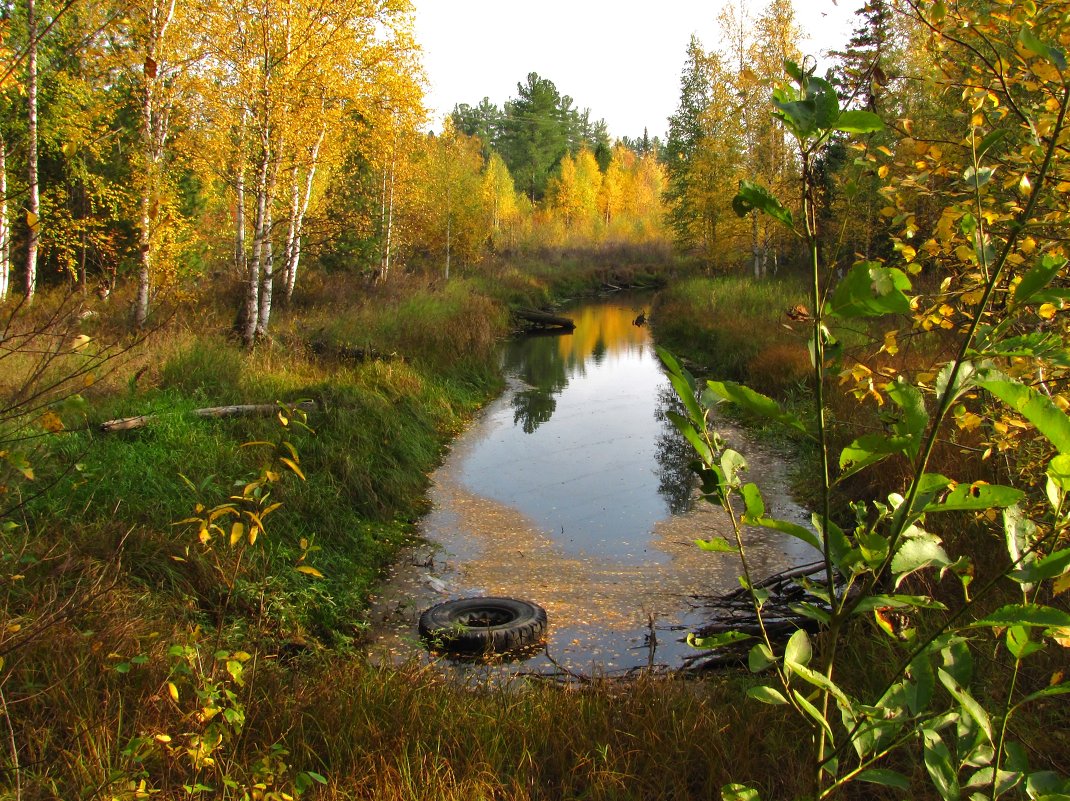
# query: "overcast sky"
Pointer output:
{"type": "Point", "coordinates": [620, 58]}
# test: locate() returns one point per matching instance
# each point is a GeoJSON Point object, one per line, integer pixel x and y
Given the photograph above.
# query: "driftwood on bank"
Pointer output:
{"type": "Point", "coordinates": [129, 423]}
{"type": "Point", "coordinates": [545, 319]}
{"type": "Point", "coordinates": [734, 611]}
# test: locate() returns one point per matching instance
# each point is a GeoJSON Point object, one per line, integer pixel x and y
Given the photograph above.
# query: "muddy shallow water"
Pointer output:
{"type": "Point", "coordinates": [572, 490]}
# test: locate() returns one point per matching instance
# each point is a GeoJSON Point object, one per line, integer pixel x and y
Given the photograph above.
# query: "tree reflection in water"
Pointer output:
{"type": "Point", "coordinates": [674, 455]}
{"type": "Point", "coordinates": [540, 362]}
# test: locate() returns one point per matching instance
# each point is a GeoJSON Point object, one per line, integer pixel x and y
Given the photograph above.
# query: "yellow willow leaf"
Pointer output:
{"type": "Point", "coordinates": [1062, 636]}
{"type": "Point", "coordinates": [885, 151]}
{"type": "Point", "coordinates": [253, 532]}
{"type": "Point", "coordinates": [33, 222]}
{"type": "Point", "coordinates": [968, 421]}
{"type": "Point", "coordinates": [308, 571]}
{"type": "Point", "coordinates": [173, 691]}
{"type": "Point", "coordinates": [1061, 584]}
{"type": "Point", "coordinates": [1028, 244]}
{"type": "Point", "coordinates": [165, 738]}
{"type": "Point", "coordinates": [1047, 311]}
{"type": "Point", "coordinates": [882, 171]}
{"type": "Point", "coordinates": [236, 532]}
{"type": "Point", "coordinates": [946, 310]}
{"type": "Point", "coordinates": [293, 466]}
{"type": "Point", "coordinates": [889, 211]}
{"type": "Point", "coordinates": [964, 253]}
{"type": "Point", "coordinates": [80, 341]}
{"type": "Point", "coordinates": [265, 512]}
{"type": "Point", "coordinates": [1024, 185]}
{"type": "Point", "coordinates": [973, 297]}
{"type": "Point", "coordinates": [203, 535]}
{"type": "Point", "coordinates": [890, 346]}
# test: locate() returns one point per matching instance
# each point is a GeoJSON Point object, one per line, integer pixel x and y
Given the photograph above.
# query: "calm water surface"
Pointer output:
{"type": "Point", "coordinates": [572, 490]}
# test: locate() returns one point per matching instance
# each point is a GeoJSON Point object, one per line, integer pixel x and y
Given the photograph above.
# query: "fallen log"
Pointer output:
{"type": "Point", "coordinates": [129, 423]}
{"type": "Point", "coordinates": [545, 319]}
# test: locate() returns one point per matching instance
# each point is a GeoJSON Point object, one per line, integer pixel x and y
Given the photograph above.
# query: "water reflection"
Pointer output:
{"type": "Point", "coordinates": [583, 451]}
{"type": "Point", "coordinates": [674, 455]}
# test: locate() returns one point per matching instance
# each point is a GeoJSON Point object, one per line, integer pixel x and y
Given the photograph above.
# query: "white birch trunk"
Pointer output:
{"type": "Point", "coordinates": [33, 203]}
{"type": "Point", "coordinates": [293, 255]}
{"type": "Point", "coordinates": [251, 307]}
{"type": "Point", "coordinates": [153, 137]}
{"type": "Point", "coordinates": [5, 230]}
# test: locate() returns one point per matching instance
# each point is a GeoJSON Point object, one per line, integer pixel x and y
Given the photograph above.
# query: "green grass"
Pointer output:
{"type": "Point", "coordinates": [735, 328]}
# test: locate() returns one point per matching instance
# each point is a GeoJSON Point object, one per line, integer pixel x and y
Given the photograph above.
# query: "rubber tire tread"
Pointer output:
{"type": "Point", "coordinates": [526, 625]}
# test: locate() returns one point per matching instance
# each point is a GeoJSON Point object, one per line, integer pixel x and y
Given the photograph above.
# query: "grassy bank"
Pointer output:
{"type": "Point", "coordinates": [736, 329]}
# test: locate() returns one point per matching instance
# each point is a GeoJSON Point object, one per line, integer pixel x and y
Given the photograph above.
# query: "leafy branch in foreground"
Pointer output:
{"type": "Point", "coordinates": [928, 700]}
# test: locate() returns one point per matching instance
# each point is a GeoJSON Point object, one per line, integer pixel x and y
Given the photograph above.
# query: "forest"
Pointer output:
{"type": "Point", "coordinates": [250, 293]}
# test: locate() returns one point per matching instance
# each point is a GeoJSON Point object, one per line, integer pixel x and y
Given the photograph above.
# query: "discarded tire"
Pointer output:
{"type": "Point", "coordinates": [483, 625]}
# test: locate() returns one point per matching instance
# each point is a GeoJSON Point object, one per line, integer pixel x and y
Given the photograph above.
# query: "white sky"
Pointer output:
{"type": "Point", "coordinates": [620, 58]}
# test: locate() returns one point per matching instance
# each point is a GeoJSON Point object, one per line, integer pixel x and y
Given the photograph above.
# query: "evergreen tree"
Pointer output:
{"type": "Point", "coordinates": [539, 127]}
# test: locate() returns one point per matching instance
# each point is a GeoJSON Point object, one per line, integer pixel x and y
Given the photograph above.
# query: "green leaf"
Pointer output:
{"type": "Point", "coordinates": [767, 695]}
{"type": "Point", "coordinates": [716, 545]}
{"type": "Point", "coordinates": [976, 178]}
{"type": "Point", "coordinates": [888, 778]}
{"type": "Point", "coordinates": [938, 763]}
{"type": "Point", "coordinates": [1019, 644]}
{"type": "Point", "coordinates": [917, 553]}
{"type": "Point", "coordinates": [867, 450]}
{"type": "Point", "coordinates": [813, 712]}
{"type": "Point", "coordinates": [812, 611]}
{"type": "Point", "coordinates": [870, 290]}
{"type": "Point", "coordinates": [872, 602]}
{"type": "Point", "coordinates": [755, 505]}
{"type": "Point", "coordinates": [798, 650]}
{"type": "Point", "coordinates": [857, 121]}
{"type": "Point", "coordinates": [1025, 615]}
{"type": "Point", "coordinates": [991, 138]}
{"type": "Point", "coordinates": [732, 463]}
{"type": "Point", "coordinates": [957, 660]}
{"type": "Point", "coordinates": [755, 197]}
{"type": "Point", "coordinates": [976, 497]}
{"type": "Point", "coordinates": [760, 658]}
{"type": "Point", "coordinates": [1038, 409]}
{"type": "Point", "coordinates": [915, 417]}
{"type": "Point", "coordinates": [791, 529]}
{"type": "Point", "coordinates": [1047, 692]}
{"type": "Point", "coordinates": [839, 546]}
{"type": "Point", "coordinates": [1020, 533]}
{"type": "Point", "coordinates": [683, 382]}
{"type": "Point", "coordinates": [1046, 268]}
{"type": "Point", "coordinates": [739, 792]}
{"type": "Point", "coordinates": [717, 640]}
{"type": "Point", "coordinates": [1052, 565]}
{"type": "Point", "coordinates": [799, 115]}
{"type": "Point", "coordinates": [753, 402]}
{"type": "Point", "coordinates": [968, 702]}
{"type": "Point", "coordinates": [684, 426]}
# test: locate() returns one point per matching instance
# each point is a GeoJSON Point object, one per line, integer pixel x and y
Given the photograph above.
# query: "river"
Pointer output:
{"type": "Point", "coordinates": [572, 490]}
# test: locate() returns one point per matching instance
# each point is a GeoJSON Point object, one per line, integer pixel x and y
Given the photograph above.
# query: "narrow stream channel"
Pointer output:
{"type": "Point", "coordinates": [572, 490]}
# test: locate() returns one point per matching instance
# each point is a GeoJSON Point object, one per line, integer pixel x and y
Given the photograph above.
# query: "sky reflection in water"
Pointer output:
{"type": "Point", "coordinates": [576, 447]}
